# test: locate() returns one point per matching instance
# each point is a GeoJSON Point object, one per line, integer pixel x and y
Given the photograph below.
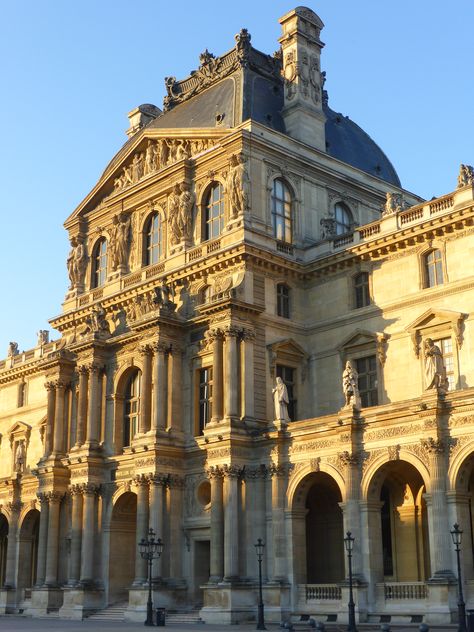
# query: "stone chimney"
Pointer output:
{"type": "Point", "coordinates": [301, 51]}
{"type": "Point", "coordinates": [141, 116]}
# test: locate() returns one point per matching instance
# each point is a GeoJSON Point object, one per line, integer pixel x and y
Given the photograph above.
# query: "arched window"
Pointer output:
{"type": "Point", "coordinates": [281, 211]}
{"type": "Point", "coordinates": [131, 409]}
{"type": "Point", "coordinates": [99, 263]}
{"type": "Point", "coordinates": [361, 289]}
{"type": "Point", "coordinates": [153, 240]}
{"type": "Point", "coordinates": [283, 300]}
{"type": "Point", "coordinates": [433, 268]}
{"type": "Point", "coordinates": [343, 217]}
{"type": "Point", "coordinates": [214, 212]}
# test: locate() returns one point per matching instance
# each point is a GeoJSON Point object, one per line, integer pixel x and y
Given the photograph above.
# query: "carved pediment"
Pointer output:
{"type": "Point", "coordinates": [362, 339]}
{"type": "Point", "coordinates": [289, 351]}
{"type": "Point", "coordinates": [19, 431]}
{"type": "Point", "coordinates": [436, 319]}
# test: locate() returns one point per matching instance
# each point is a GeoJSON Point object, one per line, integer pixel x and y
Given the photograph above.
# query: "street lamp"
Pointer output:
{"type": "Point", "coordinates": [259, 547]}
{"type": "Point", "coordinates": [349, 544]}
{"type": "Point", "coordinates": [150, 549]}
{"type": "Point", "coordinates": [456, 534]}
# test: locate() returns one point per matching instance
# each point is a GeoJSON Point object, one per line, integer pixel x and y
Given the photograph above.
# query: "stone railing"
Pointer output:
{"type": "Point", "coordinates": [404, 590]}
{"type": "Point", "coordinates": [322, 592]}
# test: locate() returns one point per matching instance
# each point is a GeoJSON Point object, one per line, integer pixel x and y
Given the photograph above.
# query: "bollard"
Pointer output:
{"type": "Point", "coordinates": [385, 627]}
{"type": "Point", "coordinates": [312, 623]}
{"type": "Point", "coordinates": [424, 627]}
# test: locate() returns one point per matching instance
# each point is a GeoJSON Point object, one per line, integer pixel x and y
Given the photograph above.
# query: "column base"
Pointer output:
{"type": "Point", "coordinates": [442, 601]}
{"type": "Point", "coordinates": [8, 600]}
{"type": "Point", "coordinates": [359, 593]}
{"type": "Point", "coordinates": [45, 600]}
{"type": "Point", "coordinates": [79, 602]}
{"type": "Point", "coordinates": [234, 603]}
{"type": "Point", "coordinates": [171, 597]}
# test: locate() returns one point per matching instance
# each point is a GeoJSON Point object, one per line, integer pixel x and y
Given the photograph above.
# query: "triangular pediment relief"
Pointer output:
{"type": "Point", "coordinates": [287, 350]}
{"type": "Point", "coordinates": [19, 430]}
{"type": "Point", "coordinates": [436, 319]}
{"type": "Point", "coordinates": [362, 338]}
{"type": "Point", "coordinates": [147, 156]}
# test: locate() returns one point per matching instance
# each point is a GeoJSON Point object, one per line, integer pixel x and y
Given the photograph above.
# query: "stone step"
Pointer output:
{"type": "Point", "coordinates": [115, 612]}
{"type": "Point", "coordinates": [186, 616]}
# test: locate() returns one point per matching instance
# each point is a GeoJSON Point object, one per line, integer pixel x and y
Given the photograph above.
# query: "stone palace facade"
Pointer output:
{"type": "Point", "coordinates": [246, 233]}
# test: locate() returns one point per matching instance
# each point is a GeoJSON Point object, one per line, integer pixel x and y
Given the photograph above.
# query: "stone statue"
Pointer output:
{"type": "Point", "coordinates": [186, 204]}
{"type": "Point", "coordinates": [281, 400]}
{"type": "Point", "coordinates": [163, 297]}
{"type": "Point", "coordinates": [137, 167]}
{"type": "Point", "coordinates": [328, 227]}
{"type": "Point", "coordinates": [20, 457]}
{"type": "Point", "coordinates": [97, 321]}
{"type": "Point", "coordinates": [119, 236]}
{"type": "Point", "coordinates": [350, 386]}
{"type": "Point", "coordinates": [12, 349]}
{"type": "Point", "coordinates": [173, 215]}
{"type": "Point", "coordinates": [393, 204]}
{"type": "Point", "coordinates": [150, 159]}
{"type": "Point", "coordinates": [238, 185]}
{"type": "Point", "coordinates": [435, 372]}
{"type": "Point", "coordinates": [76, 263]}
{"type": "Point", "coordinates": [466, 176]}
{"type": "Point", "coordinates": [43, 337]}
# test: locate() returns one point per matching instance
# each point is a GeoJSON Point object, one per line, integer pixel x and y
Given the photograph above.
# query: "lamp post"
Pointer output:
{"type": "Point", "coordinates": [456, 534]}
{"type": "Point", "coordinates": [150, 549]}
{"type": "Point", "coordinates": [349, 544]}
{"type": "Point", "coordinates": [259, 547]}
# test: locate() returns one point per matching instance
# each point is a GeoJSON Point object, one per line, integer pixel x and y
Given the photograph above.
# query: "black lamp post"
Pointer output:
{"type": "Point", "coordinates": [349, 544]}
{"type": "Point", "coordinates": [259, 547]}
{"type": "Point", "coordinates": [150, 549]}
{"type": "Point", "coordinates": [456, 534]}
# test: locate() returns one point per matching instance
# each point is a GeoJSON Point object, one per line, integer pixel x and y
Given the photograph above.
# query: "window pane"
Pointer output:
{"type": "Point", "coordinates": [214, 214]}
{"type": "Point", "coordinates": [281, 211]}
{"type": "Point", "coordinates": [367, 383]}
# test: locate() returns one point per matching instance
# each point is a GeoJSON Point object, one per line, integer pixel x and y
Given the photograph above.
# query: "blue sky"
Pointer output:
{"type": "Point", "coordinates": [71, 71]}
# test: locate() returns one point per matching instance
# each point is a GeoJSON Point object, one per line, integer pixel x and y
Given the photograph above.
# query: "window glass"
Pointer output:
{"type": "Point", "coordinates": [283, 300]}
{"type": "Point", "coordinates": [367, 371]}
{"type": "Point", "coordinates": [287, 374]}
{"type": "Point", "coordinates": [99, 262]}
{"type": "Point", "coordinates": [214, 213]}
{"type": "Point", "coordinates": [205, 397]}
{"type": "Point", "coordinates": [281, 211]}
{"type": "Point", "coordinates": [131, 408]}
{"type": "Point", "coordinates": [153, 240]}
{"type": "Point", "coordinates": [343, 218]}
{"type": "Point", "coordinates": [434, 268]}
{"type": "Point", "coordinates": [361, 288]}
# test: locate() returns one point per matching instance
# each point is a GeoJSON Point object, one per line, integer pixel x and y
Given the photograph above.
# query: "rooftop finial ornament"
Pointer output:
{"type": "Point", "coordinates": [466, 176]}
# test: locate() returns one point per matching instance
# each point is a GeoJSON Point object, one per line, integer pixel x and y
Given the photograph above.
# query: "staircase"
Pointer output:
{"type": "Point", "coordinates": [113, 612]}
{"type": "Point", "coordinates": [184, 617]}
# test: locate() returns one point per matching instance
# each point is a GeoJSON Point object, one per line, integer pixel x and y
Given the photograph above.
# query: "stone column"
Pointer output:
{"type": "Point", "coordinates": [88, 532]}
{"type": "Point", "coordinates": [10, 570]}
{"type": "Point", "coordinates": [159, 388]}
{"type": "Point", "coordinates": [371, 550]}
{"type": "Point", "coordinates": [248, 377]}
{"type": "Point", "coordinates": [176, 526]}
{"type": "Point", "coordinates": [255, 508]}
{"type": "Point", "coordinates": [439, 536]}
{"type": "Point", "coordinates": [141, 571]}
{"type": "Point", "coordinates": [279, 475]}
{"type": "Point", "coordinates": [145, 390]}
{"type": "Point", "coordinates": [58, 440]}
{"type": "Point", "coordinates": [231, 391]}
{"type": "Point", "coordinates": [42, 540]}
{"type": "Point", "coordinates": [82, 405]}
{"type": "Point", "coordinates": [76, 535]}
{"type": "Point", "coordinates": [231, 522]}
{"type": "Point", "coordinates": [216, 336]}
{"type": "Point", "coordinates": [156, 517]}
{"type": "Point", "coordinates": [49, 428]}
{"type": "Point", "coordinates": [175, 398]}
{"type": "Point", "coordinates": [217, 525]}
{"type": "Point", "coordinates": [92, 436]}
{"type": "Point", "coordinates": [350, 508]}
{"type": "Point", "coordinates": [51, 578]}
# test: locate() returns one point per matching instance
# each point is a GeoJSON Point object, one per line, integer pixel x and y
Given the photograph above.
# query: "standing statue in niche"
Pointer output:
{"type": "Point", "coordinates": [281, 400]}
{"type": "Point", "coordinates": [119, 237]}
{"type": "Point", "coordinates": [76, 263]}
{"type": "Point", "coordinates": [350, 386]}
{"type": "Point", "coordinates": [186, 203]}
{"type": "Point", "coordinates": [20, 457]}
{"type": "Point", "coordinates": [174, 215]}
{"type": "Point", "coordinates": [238, 185]}
{"type": "Point", "coordinates": [435, 372]}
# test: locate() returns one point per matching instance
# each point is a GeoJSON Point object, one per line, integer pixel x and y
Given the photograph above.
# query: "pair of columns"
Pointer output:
{"type": "Point", "coordinates": [152, 510]}
{"type": "Point", "coordinates": [161, 384]}
{"type": "Point", "coordinates": [88, 405]}
{"type": "Point", "coordinates": [83, 531]}
{"type": "Point", "coordinates": [48, 539]}
{"type": "Point", "coordinates": [226, 520]}
{"type": "Point", "coordinates": [226, 361]}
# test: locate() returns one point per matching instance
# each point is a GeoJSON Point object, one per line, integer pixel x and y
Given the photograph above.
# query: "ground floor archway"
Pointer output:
{"type": "Point", "coordinates": [3, 548]}
{"type": "Point", "coordinates": [123, 547]}
{"type": "Point", "coordinates": [28, 550]}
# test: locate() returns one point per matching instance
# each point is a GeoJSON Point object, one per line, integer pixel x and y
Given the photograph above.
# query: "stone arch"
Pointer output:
{"type": "Point", "coordinates": [120, 384]}
{"type": "Point", "coordinates": [461, 497]}
{"type": "Point", "coordinates": [460, 467]}
{"type": "Point", "coordinates": [199, 215]}
{"type": "Point", "coordinates": [4, 529]}
{"type": "Point", "coordinates": [28, 535]}
{"type": "Point", "coordinates": [298, 478]}
{"type": "Point", "coordinates": [122, 544]}
{"type": "Point", "coordinates": [317, 527]}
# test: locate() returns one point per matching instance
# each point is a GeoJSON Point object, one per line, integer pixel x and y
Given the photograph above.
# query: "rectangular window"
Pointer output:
{"type": "Point", "coordinates": [361, 287]}
{"type": "Point", "coordinates": [446, 347]}
{"type": "Point", "coordinates": [287, 374]}
{"type": "Point", "coordinates": [283, 300]}
{"type": "Point", "coordinates": [367, 371]}
{"type": "Point", "coordinates": [205, 397]}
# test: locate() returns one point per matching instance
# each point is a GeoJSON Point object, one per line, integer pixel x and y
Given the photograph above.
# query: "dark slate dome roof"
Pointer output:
{"type": "Point", "coordinates": [348, 142]}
